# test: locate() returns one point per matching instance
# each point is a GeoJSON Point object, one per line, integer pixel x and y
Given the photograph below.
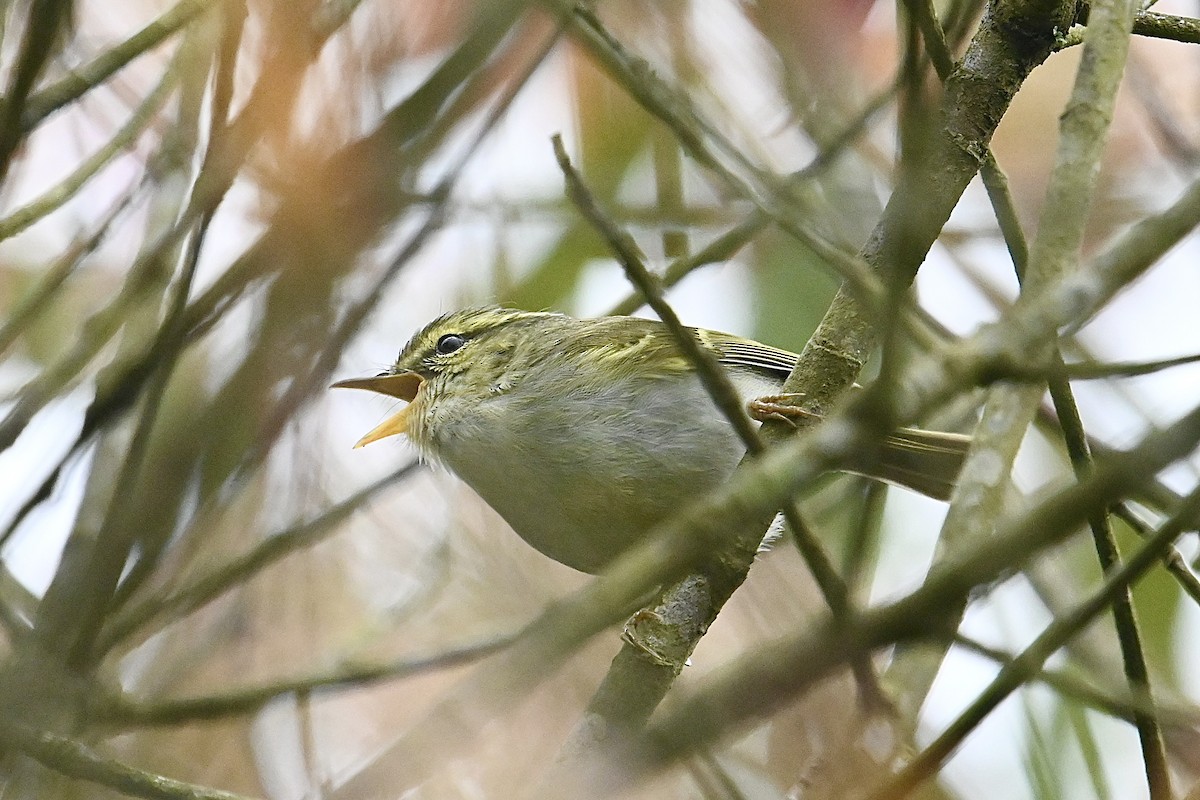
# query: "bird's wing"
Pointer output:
{"type": "Point", "coordinates": [737, 352]}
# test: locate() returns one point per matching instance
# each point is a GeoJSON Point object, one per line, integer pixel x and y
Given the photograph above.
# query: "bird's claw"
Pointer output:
{"type": "Point", "coordinates": [781, 408]}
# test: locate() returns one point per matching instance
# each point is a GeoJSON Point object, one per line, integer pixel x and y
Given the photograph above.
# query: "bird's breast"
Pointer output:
{"type": "Point", "coordinates": [581, 472]}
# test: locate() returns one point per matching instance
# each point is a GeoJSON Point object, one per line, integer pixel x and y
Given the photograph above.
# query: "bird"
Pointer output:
{"type": "Point", "coordinates": [584, 433]}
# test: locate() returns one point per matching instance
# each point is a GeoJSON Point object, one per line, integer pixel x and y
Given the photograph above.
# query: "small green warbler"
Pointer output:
{"type": "Point", "coordinates": [583, 434]}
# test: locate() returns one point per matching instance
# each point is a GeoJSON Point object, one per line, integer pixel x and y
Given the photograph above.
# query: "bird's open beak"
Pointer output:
{"type": "Point", "coordinates": [403, 385]}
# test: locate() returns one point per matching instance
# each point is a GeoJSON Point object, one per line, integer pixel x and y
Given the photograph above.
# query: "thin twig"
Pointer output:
{"type": "Point", "coordinates": [280, 80]}
{"type": "Point", "coordinates": [1147, 23]}
{"type": "Point", "coordinates": [1093, 370]}
{"type": "Point", "coordinates": [44, 19]}
{"type": "Point", "coordinates": [1094, 88]}
{"type": "Point", "coordinates": [715, 381]}
{"type": "Point", "coordinates": [190, 596]}
{"type": "Point", "coordinates": [1172, 558]}
{"type": "Point", "coordinates": [98, 548]}
{"type": "Point", "coordinates": [723, 248]}
{"type": "Point", "coordinates": [126, 713]}
{"type": "Point", "coordinates": [74, 759]}
{"type": "Point", "coordinates": [1157, 495]}
{"type": "Point", "coordinates": [772, 195]}
{"type": "Point", "coordinates": [56, 274]}
{"type": "Point", "coordinates": [1083, 129]}
{"type": "Point", "coordinates": [979, 497]}
{"type": "Point", "coordinates": [1026, 665]}
{"type": "Point", "coordinates": [1124, 708]}
{"type": "Point", "coordinates": [78, 81]}
{"type": "Point", "coordinates": [54, 197]}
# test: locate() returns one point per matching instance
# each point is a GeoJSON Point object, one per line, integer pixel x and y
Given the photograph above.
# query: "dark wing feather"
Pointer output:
{"type": "Point", "coordinates": [735, 351]}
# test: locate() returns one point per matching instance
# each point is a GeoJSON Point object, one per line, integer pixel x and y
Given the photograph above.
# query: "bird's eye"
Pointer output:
{"type": "Point", "coordinates": [449, 343]}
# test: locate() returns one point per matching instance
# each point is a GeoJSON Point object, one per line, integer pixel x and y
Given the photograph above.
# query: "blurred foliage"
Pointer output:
{"type": "Point", "coordinates": [208, 210]}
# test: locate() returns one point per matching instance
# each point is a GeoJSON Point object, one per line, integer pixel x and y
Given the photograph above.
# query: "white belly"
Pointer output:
{"type": "Point", "coordinates": [584, 481]}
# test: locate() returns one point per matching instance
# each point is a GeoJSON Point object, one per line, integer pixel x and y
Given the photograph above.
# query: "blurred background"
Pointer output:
{"type": "Point", "coordinates": [212, 210]}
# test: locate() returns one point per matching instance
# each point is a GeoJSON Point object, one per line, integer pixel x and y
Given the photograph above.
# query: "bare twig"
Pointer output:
{"type": "Point", "coordinates": [184, 599]}
{"type": "Point", "coordinates": [125, 713]}
{"type": "Point", "coordinates": [76, 760]}
{"type": "Point", "coordinates": [1029, 662]}
{"type": "Point", "coordinates": [85, 78]}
